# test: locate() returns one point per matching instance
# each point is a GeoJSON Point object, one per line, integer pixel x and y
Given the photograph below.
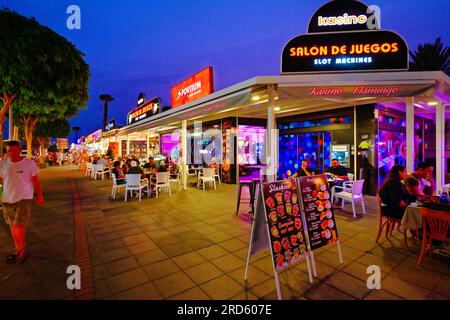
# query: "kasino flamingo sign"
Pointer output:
{"type": "Point", "coordinates": [195, 87]}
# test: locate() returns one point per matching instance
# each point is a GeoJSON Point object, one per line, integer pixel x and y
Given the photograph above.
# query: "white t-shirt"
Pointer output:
{"type": "Point", "coordinates": [17, 183]}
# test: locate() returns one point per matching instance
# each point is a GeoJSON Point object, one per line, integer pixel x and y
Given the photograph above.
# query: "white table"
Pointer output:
{"type": "Point", "coordinates": [412, 218]}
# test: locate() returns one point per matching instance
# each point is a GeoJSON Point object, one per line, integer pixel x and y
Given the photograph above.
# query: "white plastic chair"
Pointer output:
{"type": "Point", "coordinates": [217, 175]}
{"type": "Point", "coordinates": [89, 169]}
{"type": "Point", "coordinates": [162, 182]}
{"type": "Point", "coordinates": [352, 192]}
{"type": "Point", "coordinates": [116, 187]}
{"type": "Point", "coordinates": [135, 183]}
{"type": "Point", "coordinates": [207, 176]}
{"type": "Point", "coordinates": [175, 178]}
{"type": "Point", "coordinates": [99, 169]}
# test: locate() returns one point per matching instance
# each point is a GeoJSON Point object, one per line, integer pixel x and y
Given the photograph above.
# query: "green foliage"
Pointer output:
{"type": "Point", "coordinates": [46, 71]}
{"type": "Point", "coordinates": [109, 154]}
{"type": "Point", "coordinates": [52, 129]}
{"type": "Point", "coordinates": [430, 57]}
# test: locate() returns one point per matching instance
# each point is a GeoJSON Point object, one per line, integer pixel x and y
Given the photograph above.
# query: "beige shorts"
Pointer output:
{"type": "Point", "coordinates": [17, 213]}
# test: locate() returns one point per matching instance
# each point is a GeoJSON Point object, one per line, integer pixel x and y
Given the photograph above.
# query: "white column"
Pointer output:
{"type": "Point", "coordinates": [272, 142]}
{"type": "Point", "coordinates": [410, 134]}
{"type": "Point", "coordinates": [128, 144]}
{"type": "Point", "coordinates": [184, 153]}
{"type": "Point", "coordinates": [355, 144]}
{"type": "Point", "coordinates": [440, 146]}
{"type": "Point", "coordinates": [148, 144]}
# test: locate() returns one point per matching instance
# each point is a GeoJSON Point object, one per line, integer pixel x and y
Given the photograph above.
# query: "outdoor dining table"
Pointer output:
{"type": "Point", "coordinates": [412, 218]}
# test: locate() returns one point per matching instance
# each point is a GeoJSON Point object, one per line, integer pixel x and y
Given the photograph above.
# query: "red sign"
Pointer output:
{"type": "Point", "coordinates": [198, 86]}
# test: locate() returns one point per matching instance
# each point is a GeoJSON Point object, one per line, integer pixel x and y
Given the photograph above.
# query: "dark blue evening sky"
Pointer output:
{"type": "Point", "coordinates": [133, 46]}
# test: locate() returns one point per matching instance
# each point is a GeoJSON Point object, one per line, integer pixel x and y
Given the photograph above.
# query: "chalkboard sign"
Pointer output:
{"type": "Point", "coordinates": [318, 210]}
{"type": "Point", "coordinates": [287, 236]}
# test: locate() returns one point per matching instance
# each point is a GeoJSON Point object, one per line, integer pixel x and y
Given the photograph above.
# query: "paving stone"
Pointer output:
{"type": "Point", "coordinates": [188, 260]}
{"type": "Point", "coordinates": [203, 272]}
{"type": "Point", "coordinates": [228, 263]}
{"type": "Point", "coordinates": [404, 288]}
{"type": "Point", "coordinates": [121, 265]}
{"type": "Point", "coordinates": [161, 269]}
{"type": "Point", "coordinates": [326, 292]}
{"type": "Point", "coordinates": [173, 284]}
{"type": "Point", "coordinates": [192, 294]}
{"type": "Point", "coordinates": [350, 285]}
{"type": "Point", "coordinates": [222, 288]}
{"type": "Point", "coordinates": [142, 247]}
{"type": "Point", "coordinates": [115, 254]}
{"type": "Point", "coordinates": [127, 280]}
{"type": "Point", "coordinates": [144, 292]}
{"type": "Point", "coordinates": [381, 295]}
{"type": "Point", "coordinates": [212, 252]}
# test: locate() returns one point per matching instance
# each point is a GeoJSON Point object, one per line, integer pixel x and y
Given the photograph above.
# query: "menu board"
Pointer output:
{"type": "Point", "coordinates": [287, 236]}
{"type": "Point", "coordinates": [316, 201]}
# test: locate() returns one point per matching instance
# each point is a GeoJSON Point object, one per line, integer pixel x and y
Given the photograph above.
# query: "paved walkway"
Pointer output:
{"type": "Point", "coordinates": [193, 246]}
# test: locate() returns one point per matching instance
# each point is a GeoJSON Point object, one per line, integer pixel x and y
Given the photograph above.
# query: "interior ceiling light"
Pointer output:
{"type": "Point", "coordinates": [256, 98]}
{"type": "Point", "coordinates": [432, 103]}
{"type": "Point", "coordinates": [277, 109]}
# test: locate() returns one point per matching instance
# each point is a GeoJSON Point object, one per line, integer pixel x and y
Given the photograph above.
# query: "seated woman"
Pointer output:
{"type": "Point", "coordinates": [126, 166]}
{"type": "Point", "coordinates": [162, 167]}
{"type": "Point", "coordinates": [393, 193]}
{"type": "Point", "coordinates": [120, 177]}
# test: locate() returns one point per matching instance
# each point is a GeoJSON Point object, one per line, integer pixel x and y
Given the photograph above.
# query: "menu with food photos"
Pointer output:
{"type": "Point", "coordinates": [316, 201]}
{"type": "Point", "coordinates": [284, 221]}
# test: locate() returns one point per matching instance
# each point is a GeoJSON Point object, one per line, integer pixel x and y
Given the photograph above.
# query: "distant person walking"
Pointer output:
{"type": "Point", "coordinates": [20, 181]}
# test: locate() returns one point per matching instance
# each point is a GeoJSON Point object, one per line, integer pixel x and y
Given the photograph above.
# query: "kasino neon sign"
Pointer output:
{"type": "Point", "coordinates": [372, 19]}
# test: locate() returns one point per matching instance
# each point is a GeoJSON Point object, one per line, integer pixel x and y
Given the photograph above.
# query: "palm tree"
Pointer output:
{"type": "Point", "coordinates": [76, 129]}
{"type": "Point", "coordinates": [106, 98]}
{"type": "Point", "coordinates": [430, 57]}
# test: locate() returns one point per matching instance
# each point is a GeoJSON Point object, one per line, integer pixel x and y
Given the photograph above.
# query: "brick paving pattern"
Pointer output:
{"type": "Point", "coordinates": [193, 246]}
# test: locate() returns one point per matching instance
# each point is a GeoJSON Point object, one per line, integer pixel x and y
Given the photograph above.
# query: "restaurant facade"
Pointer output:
{"type": "Point", "coordinates": [344, 92]}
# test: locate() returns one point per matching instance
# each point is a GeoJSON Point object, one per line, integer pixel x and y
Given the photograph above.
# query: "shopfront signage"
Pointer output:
{"type": "Point", "coordinates": [345, 15]}
{"type": "Point", "coordinates": [62, 143]}
{"type": "Point", "coordinates": [110, 125]}
{"type": "Point", "coordinates": [345, 36]}
{"type": "Point", "coordinates": [345, 51]}
{"type": "Point", "coordinates": [141, 99]}
{"type": "Point", "coordinates": [144, 111]}
{"type": "Point", "coordinates": [357, 91]}
{"type": "Point", "coordinates": [195, 87]}
{"type": "Point", "coordinates": [94, 136]}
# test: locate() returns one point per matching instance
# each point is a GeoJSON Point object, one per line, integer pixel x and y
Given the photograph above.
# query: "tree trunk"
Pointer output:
{"type": "Point", "coordinates": [29, 124]}
{"type": "Point", "coordinates": [105, 115]}
{"type": "Point", "coordinates": [7, 100]}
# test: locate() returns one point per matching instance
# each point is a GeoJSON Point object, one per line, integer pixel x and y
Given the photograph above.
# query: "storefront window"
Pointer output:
{"type": "Point", "coordinates": [251, 144]}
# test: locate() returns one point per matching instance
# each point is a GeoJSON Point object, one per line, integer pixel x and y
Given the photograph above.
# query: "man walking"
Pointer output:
{"type": "Point", "coordinates": [19, 178]}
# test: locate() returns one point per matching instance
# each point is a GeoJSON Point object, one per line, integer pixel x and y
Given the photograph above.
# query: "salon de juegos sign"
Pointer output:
{"type": "Point", "coordinates": [345, 36]}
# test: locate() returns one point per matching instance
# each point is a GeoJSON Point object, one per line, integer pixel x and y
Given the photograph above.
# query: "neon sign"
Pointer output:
{"type": "Point", "coordinates": [345, 51]}
{"type": "Point", "coordinates": [144, 111]}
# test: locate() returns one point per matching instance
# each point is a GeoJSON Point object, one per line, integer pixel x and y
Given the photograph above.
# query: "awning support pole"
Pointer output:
{"type": "Point", "coordinates": [355, 148]}
{"type": "Point", "coordinates": [271, 145]}
{"type": "Point", "coordinates": [410, 134]}
{"type": "Point", "coordinates": [440, 146]}
{"type": "Point", "coordinates": [184, 165]}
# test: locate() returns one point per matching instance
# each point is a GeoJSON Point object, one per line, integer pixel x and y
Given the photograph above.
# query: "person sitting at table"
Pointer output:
{"type": "Point", "coordinates": [126, 166]}
{"type": "Point", "coordinates": [393, 193]}
{"type": "Point", "coordinates": [174, 168]}
{"type": "Point", "coordinates": [135, 168]}
{"type": "Point", "coordinates": [162, 167]}
{"type": "Point", "coordinates": [424, 178]}
{"type": "Point", "coordinates": [150, 165]}
{"type": "Point", "coordinates": [337, 170]}
{"type": "Point", "coordinates": [117, 171]}
{"type": "Point", "coordinates": [303, 171]}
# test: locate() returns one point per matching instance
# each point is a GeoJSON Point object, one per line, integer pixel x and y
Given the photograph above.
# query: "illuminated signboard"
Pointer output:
{"type": "Point", "coordinates": [198, 86]}
{"type": "Point", "coordinates": [144, 111]}
{"type": "Point", "coordinates": [62, 143]}
{"type": "Point", "coordinates": [94, 136]}
{"type": "Point", "coordinates": [110, 125]}
{"type": "Point", "coordinates": [345, 51]}
{"type": "Point", "coordinates": [344, 36]}
{"type": "Point", "coordinates": [345, 15]}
